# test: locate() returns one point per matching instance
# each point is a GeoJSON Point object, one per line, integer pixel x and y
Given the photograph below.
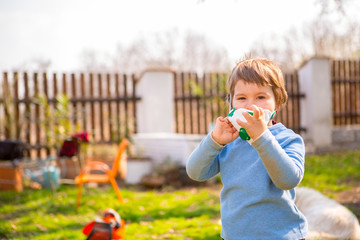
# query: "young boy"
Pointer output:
{"type": "Point", "coordinates": [257, 198]}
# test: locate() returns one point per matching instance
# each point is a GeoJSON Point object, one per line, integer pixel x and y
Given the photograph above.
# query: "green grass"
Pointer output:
{"type": "Point", "coordinates": [332, 172]}
{"type": "Point", "coordinates": [180, 214]}
{"type": "Point", "coordinates": [190, 213]}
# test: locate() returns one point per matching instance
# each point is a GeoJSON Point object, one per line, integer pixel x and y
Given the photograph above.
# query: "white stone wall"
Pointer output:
{"type": "Point", "coordinates": [316, 108]}
{"type": "Point", "coordinates": [167, 146]}
{"type": "Point", "coordinates": [345, 138]}
{"type": "Point", "coordinates": [155, 110]}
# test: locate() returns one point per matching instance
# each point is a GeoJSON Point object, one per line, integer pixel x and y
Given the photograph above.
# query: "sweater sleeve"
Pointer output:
{"type": "Point", "coordinates": [203, 162]}
{"type": "Point", "coordinates": [284, 164]}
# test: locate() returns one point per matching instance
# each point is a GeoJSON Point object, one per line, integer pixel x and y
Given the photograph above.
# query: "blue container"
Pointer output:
{"type": "Point", "coordinates": [51, 173]}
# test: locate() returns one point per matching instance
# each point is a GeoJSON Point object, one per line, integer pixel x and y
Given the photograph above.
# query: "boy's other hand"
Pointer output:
{"type": "Point", "coordinates": [224, 132]}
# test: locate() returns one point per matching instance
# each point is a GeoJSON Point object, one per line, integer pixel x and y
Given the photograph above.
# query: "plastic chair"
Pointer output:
{"type": "Point", "coordinates": [106, 175]}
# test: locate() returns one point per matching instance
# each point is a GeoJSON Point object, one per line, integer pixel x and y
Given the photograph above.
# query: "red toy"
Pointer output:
{"type": "Point", "coordinates": [111, 227]}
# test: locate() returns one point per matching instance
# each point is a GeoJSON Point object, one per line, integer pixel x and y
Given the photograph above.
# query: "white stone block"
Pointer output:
{"type": "Point", "coordinates": [136, 169]}
{"type": "Point", "coordinates": [167, 146]}
{"type": "Point", "coordinates": [155, 110]}
{"type": "Point", "coordinates": [316, 108]}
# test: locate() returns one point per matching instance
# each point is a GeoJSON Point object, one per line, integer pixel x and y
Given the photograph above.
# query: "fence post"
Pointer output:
{"type": "Point", "coordinates": [155, 110]}
{"type": "Point", "coordinates": [316, 108]}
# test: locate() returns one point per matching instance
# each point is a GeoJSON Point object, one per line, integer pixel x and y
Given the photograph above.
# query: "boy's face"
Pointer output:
{"type": "Point", "coordinates": [247, 94]}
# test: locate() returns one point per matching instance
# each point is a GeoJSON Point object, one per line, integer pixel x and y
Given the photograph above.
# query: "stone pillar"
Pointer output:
{"type": "Point", "coordinates": [316, 108]}
{"type": "Point", "coordinates": [155, 110]}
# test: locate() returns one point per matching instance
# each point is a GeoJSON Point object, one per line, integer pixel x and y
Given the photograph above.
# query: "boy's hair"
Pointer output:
{"type": "Point", "coordinates": [262, 72]}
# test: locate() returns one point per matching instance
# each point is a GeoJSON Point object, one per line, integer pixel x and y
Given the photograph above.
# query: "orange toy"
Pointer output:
{"type": "Point", "coordinates": [110, 227]}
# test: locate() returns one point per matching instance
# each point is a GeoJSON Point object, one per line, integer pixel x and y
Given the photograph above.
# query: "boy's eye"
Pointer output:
{"type": "Point", "coordinates": [261, 97]}
{"type": "Point", "coordinates": [241, 98]}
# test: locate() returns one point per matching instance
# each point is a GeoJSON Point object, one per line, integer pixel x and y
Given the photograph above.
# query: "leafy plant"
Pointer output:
{"type": "Point", "coordinates": [56, 122]}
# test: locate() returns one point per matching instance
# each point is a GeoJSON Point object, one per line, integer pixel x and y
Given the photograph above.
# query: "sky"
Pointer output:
{"type": "Point", "coordinates": [59, 30]}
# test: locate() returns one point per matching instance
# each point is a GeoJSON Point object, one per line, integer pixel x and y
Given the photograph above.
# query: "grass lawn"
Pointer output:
{"type": "Point", "coordinates": [332, 172]}
{"type": "Point", "coordinates": [190, 213]}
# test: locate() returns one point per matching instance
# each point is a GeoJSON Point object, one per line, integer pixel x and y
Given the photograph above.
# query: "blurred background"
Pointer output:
{"type": "Point", "coordinates": [70, 66]}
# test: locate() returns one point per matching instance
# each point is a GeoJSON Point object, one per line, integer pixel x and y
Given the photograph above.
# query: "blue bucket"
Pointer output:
{"type": "Point", "coordinates": [51, 173]}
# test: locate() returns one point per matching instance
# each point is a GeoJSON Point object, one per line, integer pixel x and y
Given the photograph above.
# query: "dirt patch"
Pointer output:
{"type": "Point", "coordinates": [350, 199]}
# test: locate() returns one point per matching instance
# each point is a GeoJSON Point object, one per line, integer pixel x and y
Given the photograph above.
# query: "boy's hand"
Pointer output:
{"type": "Point", "coordinates": [255, 125]}
{"type": "Point", "coordinates": [224, 132]}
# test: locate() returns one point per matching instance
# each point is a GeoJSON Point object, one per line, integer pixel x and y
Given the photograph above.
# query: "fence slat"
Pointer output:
{"type": "Point", "coordinates": [357, 89]}
{"type": "Point", "coordinates": [134, 80]}
{"type": "Point", "coordinates": [6, 93]}
{"type": "Point", "coordinates": [205, 115]}
{"type": "Point", "coordinates": [183, 101]}
{"type": "Point", "coordinates": [352, 101]}
{"type": "Point", "coordinates": [16, 107]}
{"type": "Point", "coordinates": [37, 117]}
{"type": "Point", "coordinates": [109, 109]}
{"type": "Point", "coordinates": [334, 93]}
{"type": "Point", "coordinates": [101, 111]}
{"type": "Point", "coordinates": [27, 125]}
{"type": "Point", "coordinates": [176, 103]}
{"type": "Point", "coordinates": [197, 103]}
{"type": "Point", "coordinates": [74, 116]}
{"type": "Point", "coordinates": [191, 118]}
{"type": "Point", "coordinates": [83, 104]}
{"type": "Point", "coordinates": [92, 106]}
{"type": "Point", "coordinates": [118, 112]}
{"type": "Point", "coordinates": [212, 93]}
{"type": "Point", "coordinates": [126, 105]}
{"type": "Point", "coordinates": [46, 94]}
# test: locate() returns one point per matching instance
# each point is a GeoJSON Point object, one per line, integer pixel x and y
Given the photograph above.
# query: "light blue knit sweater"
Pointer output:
{"type": "Point", "coordinates": [257, 199]}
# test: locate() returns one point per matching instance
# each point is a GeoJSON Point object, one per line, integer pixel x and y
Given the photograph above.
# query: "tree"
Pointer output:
{"type": "Point", "coordinates": [329, 35]}
{"type": "Point", "coordinates": [287, 50]}
{"type": "Point", "coordinates": [38, 64]}
{"type": "Point", "coordinates": [130, 59]}
{"type": "Point", "coordinates": [201, 55]}
{"type": "Point", "coordinates": [327, 6]}
{"type": "Point", "coordinates": [170, 49]}
{"type": "Point", "coordinates": [327, 40]}
{"type": "Point", "coordinates": [92, 61]}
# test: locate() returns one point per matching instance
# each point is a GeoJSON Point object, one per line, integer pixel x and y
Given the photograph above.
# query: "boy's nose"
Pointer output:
{"type": "Point", "coordinates": [249, 104]}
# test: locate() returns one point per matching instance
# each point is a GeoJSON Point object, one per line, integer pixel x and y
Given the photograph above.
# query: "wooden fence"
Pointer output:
{"type": "Point", "coordinates": [199, 100]}
{"type": "Point", "coordinates": [345, 76]}
{"type": "Point", "coordinates": [102, 105]}
{"type": "Point", "coordinates": [105, 104]}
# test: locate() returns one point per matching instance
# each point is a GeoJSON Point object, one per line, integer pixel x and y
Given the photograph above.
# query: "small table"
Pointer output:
{"type": "Point", "coordinates": [11, 175]}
